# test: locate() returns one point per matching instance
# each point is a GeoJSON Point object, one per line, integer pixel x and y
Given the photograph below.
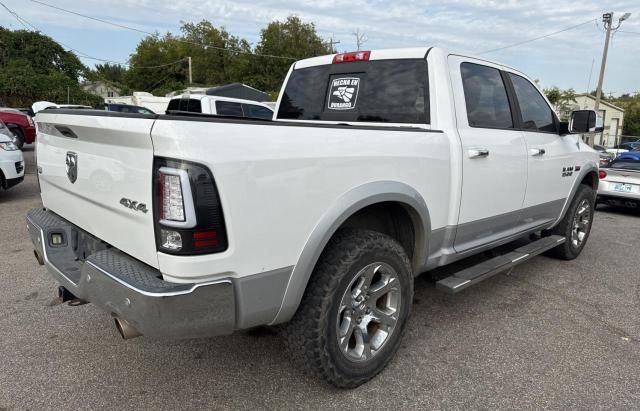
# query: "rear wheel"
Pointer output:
{"type": "Point", "coordinates": [355, 308]}
{"type": "Point", "coordinates": [576, 225]}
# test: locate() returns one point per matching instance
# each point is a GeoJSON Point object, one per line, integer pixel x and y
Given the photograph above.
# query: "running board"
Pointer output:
{"type": "Point", "coordinates": [473, 275]}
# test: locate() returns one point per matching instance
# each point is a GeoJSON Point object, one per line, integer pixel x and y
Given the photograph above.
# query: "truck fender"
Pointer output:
{"type": "Point", "coordinates": [344, 207]}
{"type": "Point", "coordinates": [590, 167]}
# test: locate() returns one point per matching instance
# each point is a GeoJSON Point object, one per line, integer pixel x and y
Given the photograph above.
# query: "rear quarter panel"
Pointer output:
{"type": "Point", "coordinates": [276, 182]}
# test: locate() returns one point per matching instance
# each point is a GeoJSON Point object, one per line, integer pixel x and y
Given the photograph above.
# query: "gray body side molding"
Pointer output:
{"type": "Point", "coordinates": [344, 207]}
{"type": "Point", "coordinates": [586, 169]}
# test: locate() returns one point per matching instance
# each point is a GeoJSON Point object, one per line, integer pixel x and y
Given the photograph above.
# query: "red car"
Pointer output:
{"type": "Point", "coordinates": [20, 124]}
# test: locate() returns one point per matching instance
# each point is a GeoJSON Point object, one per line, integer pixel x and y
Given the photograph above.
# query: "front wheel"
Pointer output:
{"type": "Point", "coordinates": [355, 308]}
{"type": "Point", "coordinates": [575, 225]}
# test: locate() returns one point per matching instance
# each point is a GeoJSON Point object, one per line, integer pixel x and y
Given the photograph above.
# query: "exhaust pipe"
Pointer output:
{"type": "Point", "coordinates": [38, 257]}
{"type": "Point", "coordinates": [126, 330]}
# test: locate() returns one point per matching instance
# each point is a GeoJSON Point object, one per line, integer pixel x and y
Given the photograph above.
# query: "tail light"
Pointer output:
{"type": "Point", "coordinates": [602, 174]}
{"type": "Point", "coordinates": [187, 211]}
{"type": "Point", "coordinates": [353, 56]}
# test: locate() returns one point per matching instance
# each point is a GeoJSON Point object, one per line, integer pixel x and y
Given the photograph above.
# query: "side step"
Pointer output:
{"type": "Point", "coordinates": [473, 275]}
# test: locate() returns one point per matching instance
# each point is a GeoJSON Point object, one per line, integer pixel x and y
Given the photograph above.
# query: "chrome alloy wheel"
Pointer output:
{"type": "Point", "coordinates": [581, 222]}
{"type": "Point", "coordinates": [368, 312]}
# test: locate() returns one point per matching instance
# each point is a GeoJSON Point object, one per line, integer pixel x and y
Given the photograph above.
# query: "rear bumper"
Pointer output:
{"type": "Point", "coordinates": [127, 288]}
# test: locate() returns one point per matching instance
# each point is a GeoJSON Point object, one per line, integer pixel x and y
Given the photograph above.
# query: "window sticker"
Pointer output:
{"type": "Point", "coordinates": [343, 93]}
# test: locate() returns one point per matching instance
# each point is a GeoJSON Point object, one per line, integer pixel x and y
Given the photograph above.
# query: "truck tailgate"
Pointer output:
{"type": "Point", "coordinates": [92, 165]}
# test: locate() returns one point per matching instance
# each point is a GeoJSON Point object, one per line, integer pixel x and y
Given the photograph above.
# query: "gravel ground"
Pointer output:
{"type": "Point", "coordinates": [550, 334]}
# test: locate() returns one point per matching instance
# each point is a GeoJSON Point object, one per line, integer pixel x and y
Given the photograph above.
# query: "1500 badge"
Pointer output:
{"type": "Point", "coordinates": [133, 205]}
{"type": "Point", "coordinates": [568, 171]}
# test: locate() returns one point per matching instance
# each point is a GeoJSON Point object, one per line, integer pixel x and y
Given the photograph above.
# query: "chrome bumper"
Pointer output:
{"type": "Point", "coordinates": [127, 288]}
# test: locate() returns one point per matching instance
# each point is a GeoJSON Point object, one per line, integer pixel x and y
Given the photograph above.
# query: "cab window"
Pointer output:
{"type": "Point", "coordinates": [485, 97]}
{"type": "Point", "coordinates": [536, 113]}
{"type": "Point", "coordinates": [255, 111]}
{"type": "Point", "coordinates": [227, 108]}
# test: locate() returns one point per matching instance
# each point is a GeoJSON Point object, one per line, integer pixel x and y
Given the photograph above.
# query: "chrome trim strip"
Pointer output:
{"type": "Point", "coordinates": [520, 258]}
{"type": "Point", "coordinates": [461, 284]}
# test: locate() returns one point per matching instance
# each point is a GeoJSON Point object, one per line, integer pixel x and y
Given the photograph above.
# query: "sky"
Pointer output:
{"type": "Point", "coordinates": [570, 59]}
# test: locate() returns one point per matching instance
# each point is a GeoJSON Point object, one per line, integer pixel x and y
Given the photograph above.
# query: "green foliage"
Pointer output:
{"type": "Point", "coordinates": [216, 64]}
{"type": "Point", "coordinates": [292, 38]}
{"type": "Point", "coordinates": [561, 100]}
{"type": "Point", "coordinates": [631, 106]}
{"type": "Point", "coordinates": [34, 67]}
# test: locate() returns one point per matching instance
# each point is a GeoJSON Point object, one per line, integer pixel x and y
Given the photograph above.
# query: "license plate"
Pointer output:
{"type": "Point", "coordinates": [624, 188]}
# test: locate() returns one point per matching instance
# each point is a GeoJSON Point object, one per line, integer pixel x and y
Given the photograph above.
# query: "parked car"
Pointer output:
{"type": "Point", "coordinates": [28, 111]}
{"type": "Point", "coordinates": [629, 146]}
{"type": "Point", "coordinates": [321, 218]}
{"type": "Point", "coordinates": [220, 106]}
{"type": "Point", "coordinates": [127, 108]}
{"type": "Point", "coordinates": [20, 124]}
{"type": "Point", "coordinates": [11, 159]}
{"type": "Point", "coordinates": [620, 181]}
{"type": "Point", "coordinates": [605, 156]}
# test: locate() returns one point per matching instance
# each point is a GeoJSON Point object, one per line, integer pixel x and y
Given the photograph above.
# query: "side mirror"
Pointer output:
{"type": "Point", "coordinates": [585, 121]}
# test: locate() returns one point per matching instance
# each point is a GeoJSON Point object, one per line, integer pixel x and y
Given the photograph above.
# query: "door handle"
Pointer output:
{"type": "Point", "coordinates": [537, 152]}
{"type": "Point", "coordinates": [478, 153]}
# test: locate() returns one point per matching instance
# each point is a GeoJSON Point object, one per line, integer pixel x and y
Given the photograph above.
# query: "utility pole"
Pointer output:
{"type": "Point", "coordinates": [607, 18]}
{"type": "Point", "coordinates": [190, 75]}
{"type": "Point", "coordinates": [360, 38]}
{"type": "Point", "coordinates": [331, 43]}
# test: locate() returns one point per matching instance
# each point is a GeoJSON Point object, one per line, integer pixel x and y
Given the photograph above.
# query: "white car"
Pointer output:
{"type": "Point", "coordinates": [378, 166]}
{"type": "Point", "coordinates": [220, 106]}
{"type": "Point", "coordinates": [11, 159]}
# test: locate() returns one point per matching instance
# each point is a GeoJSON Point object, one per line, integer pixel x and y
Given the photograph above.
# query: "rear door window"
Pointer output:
{"type": "Point", "coordinates": [485, 97]}
{"type": "Point", "coordinates": [227, 108]}
{"type": "Point", "coordinates": [368, 91]}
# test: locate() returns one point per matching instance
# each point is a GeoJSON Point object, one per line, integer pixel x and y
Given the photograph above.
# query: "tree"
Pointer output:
{"type": "Point", "coordinates": [34, 67]}
{"type": "Point", "coordinates": [561, 100]}
{"type": "Point", "coordinates": [292, 38]}
{"type": "Point", "coordinates": [160, 64]}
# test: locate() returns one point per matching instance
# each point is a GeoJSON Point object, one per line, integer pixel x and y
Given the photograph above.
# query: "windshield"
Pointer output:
{"type": "Point", "coordinates": [369, 91]}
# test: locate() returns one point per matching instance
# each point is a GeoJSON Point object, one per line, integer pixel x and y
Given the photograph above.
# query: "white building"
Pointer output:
{"type": "Point", "coordinates": [613, 119]}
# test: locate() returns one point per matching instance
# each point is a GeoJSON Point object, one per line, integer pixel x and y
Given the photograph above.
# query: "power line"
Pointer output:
{"type": "Point", "coordinates": [628, 32]}
{"type": "Point", "coordinates": [535, 38]}
{"type": "Point", "coordinates": [79, 53]}
{"type": "Point", "coordinates": [122, 26]}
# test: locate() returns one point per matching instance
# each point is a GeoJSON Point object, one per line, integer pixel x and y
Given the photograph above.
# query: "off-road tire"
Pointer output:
{"type": "Point", "coordinates": [311, 335]}
{"type": "Point", "coordinates": [568, 250]}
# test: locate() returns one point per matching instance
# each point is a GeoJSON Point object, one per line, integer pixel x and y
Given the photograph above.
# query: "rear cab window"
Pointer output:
{"type": "Point", "coordinates": [393, 91]}
{"type": "Point", "coordinates": [185, 104]}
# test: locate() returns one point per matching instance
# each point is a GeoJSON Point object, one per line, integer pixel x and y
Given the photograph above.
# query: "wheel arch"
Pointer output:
{"type": "Point", "coordinates": [346, 206]}
{"type": "Point", "coordinates": [588, 176]}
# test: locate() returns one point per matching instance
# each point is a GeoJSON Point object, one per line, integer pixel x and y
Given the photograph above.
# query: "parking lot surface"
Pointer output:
{"type": "Point", "coordinates": [550, 334]}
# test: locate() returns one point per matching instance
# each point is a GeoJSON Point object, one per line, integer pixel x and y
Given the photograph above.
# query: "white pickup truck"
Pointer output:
{"type": "Point", "coordinates": [379, 166]}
